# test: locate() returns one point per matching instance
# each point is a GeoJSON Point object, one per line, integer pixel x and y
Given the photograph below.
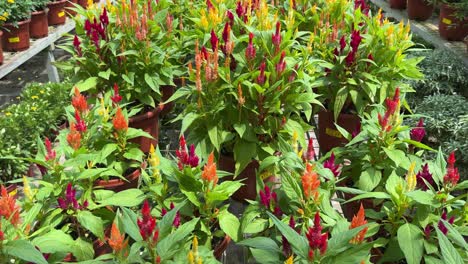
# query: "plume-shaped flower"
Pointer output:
{"type": "Point", "coordinates": [119, 121]}
{"type": "Point", "coordinates": [8, 207]}
{"type": "Point", "coordinates": [418, 133]}
{"type": "Point", "coordinates": [359, 220]}
{"type": "Point", "coordinates": [209, 171]}
{"type": "Point", "coordinates": [117, 240]}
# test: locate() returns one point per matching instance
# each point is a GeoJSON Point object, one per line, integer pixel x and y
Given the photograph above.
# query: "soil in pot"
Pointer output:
{"type": "Point", "coordinates": [148, 122]}
{"type": "Point", "coordinates": [39, 26]}
{"type": "Point", "coordinates": [398, 4]}
{"type": "Point", "coordinates": [68, 7]}
{"type": "Point", "coordinates": [451, 27]}
{"type": "Point", "coordinates": [16, 38]}
{"type": "Point", "coordinates": [419, 10]}
{"type": "Point", "coordinates": [328, 135]}
{"type": "Point", "coordinates": [118, 185]}
{"type": "Point", "coordinates": [57, 13]}
{"type": "Point", "coordinates": [1, 48]}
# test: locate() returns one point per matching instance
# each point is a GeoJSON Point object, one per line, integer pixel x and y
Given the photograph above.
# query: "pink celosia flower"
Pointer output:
{"type": "Point", "coordinates": [281, 66]}
{"type": "Point", "coordinates": [330, 164]}
{"type": "Point", "coordinates": [276, 37]}
{"type": "Point", "coordinates": [184, 157]}
{"type": "Point", "coordinates": [51, 154]}
{"type": "Point", "coordinates": [418, 133]}
{"type": "Point", "coordinates": [250, 51]}
{"type": "Point", "coordinates": [214, 40]}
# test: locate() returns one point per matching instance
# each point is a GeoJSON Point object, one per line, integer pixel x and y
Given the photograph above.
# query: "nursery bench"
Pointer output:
{"type": "Point", "coordinates": [15, 59]}
{"type": "Point", "coordinates": [428, 30]}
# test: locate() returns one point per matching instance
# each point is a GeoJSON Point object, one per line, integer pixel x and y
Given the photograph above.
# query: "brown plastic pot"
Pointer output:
{"type": "Point", "coordinates": [148, 122]}
{"type": "Point", "coordinates": [248, 176]}
{"type": "Point", "coordinates": [83, 3]}
{"type": "Point", "coordinates": [398, 4]}
{"type": "Point", "coordinates": [419, 10]}
{"type": "Point", "coordinates": [118, 185]}
{"type": "Point", "coordinates": [1, 48]}
{"type": "Point", "coordinates": [69, 7]}
{"type": "Point", "coordinates": [16, 38]}
{"type": "Point", "coordinates": [221, 247]}
{"type": "Point", "coordinates": [57, 14]}
{"type": "Point", "coordinates": [39, 26]}
{"type": "Point", "coordinates": [328, 135]}
{"type": "Point", "coordinates": [451, 27]}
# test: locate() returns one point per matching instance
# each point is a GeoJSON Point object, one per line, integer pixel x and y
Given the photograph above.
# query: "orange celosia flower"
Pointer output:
{"type": "Point", "coordinates": [310, 182]}
{"type": "Point", "coordinates": [209, 171]}
{"type": "Point", "coordinates": [119, 121]}
{"type": "Point", "coordinates": [359, 220]}
{"type": "Point", "coordinates": [74, 137]}
{"type": "Point", "coordinates": [8, 207]}
{"type": "Point", "coordinates": [117, 240]}
{"type": "Point", "coordinates": [79, 101]}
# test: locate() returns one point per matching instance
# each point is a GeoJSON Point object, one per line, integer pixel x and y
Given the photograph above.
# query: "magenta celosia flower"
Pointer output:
{"type": "Point", "coordinates": [342, 43]}
{"type": "Point", "coordinates": [427, 231]}
{"type": "Point", "coordinates": [104, 18]}
{"type": "Point", "coordinates": [265, 196]}
{"type": "Point", "coordinates": [209, 5]}
{"type": "Point", "coordinates": [441, 225]}
{"type": "Point", "coordinates": [184, 157]}
{"type": "Point", "coordinates": [240, 10]}
{"type": "Point", "coordinates": [70, 201]}
{"type": "Point", "coordinates": [50, 153]}
{"type": "Point", "coordinates": [281, 65]}
{"type": "Point", "coordinates": [355, 40]}
{"type": "Point", "coordinates": [80, 125]}
{"type": "Point", "coordinates": [261, 76]}
{"type": "Point", "coordinates": [214, 40]}
{"type": "Point", "coordinates": [176, 222]}
{"type": "Point", "coordinates": [226, 32]}
{"type": "Point", "coordinates": [330, 164]}
{"type": "Point", "coordinates": [276, 37]}
{"type": "Point", "coordinates": [88, 27]}
{"type": "Point", "coordinates": [350, 58]}
{"type": "Point", "coordinates": [77, 45]}
{"type": "Point", "coordinates": [362, 5]}
{"type": "Point", "coordinates": [418, 133]}
{"type": "Point", "coordinates": [204, 53]}
{"type": "Point", "coordinates": [310, 154]}
{"type": "Point", "coordinates": [286, 245]}
{"type": "Point", "coordinates": [452, 176]}
{"type": "Point", "coordinates": [117, 97]}
{"type": "Point", "coordinates": [230, 16]}
{"type": "Point", "coordinates": [292, 76]}
{"type": "Point", "coordinates": [424, 175]}
{"type": "Point", "coordinates": [147, 223]}
{"type": "Point", "coordinates": [250, 51]}
{"type": "Point", "coordinates": [316, 239]}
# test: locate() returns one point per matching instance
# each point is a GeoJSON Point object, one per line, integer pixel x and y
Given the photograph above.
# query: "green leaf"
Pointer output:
{"type": "Point", "coordinates": [169, 246]}
{"type": "Point", "coordinates": [418, 144]}
{"type": "Point", "coordinates": [105, 74]}
{"type": "Point", "coordinates": [152, 83]}
{"type": "Point", "coordinates": [449, 253]}
{"type": "Point", "coordinates": [432, 260]}
{"type": "Point", "coordinates": [299, 243]}
{"type": "Point", "coordinates": [244, 152]}
{"type": "Point", "coordinates": [374, 195]}
{"type": "Point", "coordinates": [54, 241]}
{"type": "Point", "coordinates": [134, 132]}
{"type": "Point", "coordinates": [353, 255]}
{"type": "Point", "coordinates": [455, 235]}
{"type": "Point", "coordinates": [422, 197]}
{"type": "Point", "coordinates": [397, 156]}
{"type": "Point", "coordinates": [130, 78]}
{"type": "Point", "coordinates": [213, 135]}
{"type": "Point", "coordinates": [92, 223]}
{"type": "Point", "coordinates": [264, 256]}
{"type": "Point", "coordinates": [83, 250]}
{"type": "Point", "coordinates": [128, 198]}
{"type": "Point", "coordinates": [24, 250]}
{"type": "Point", "coordinates": [165, 224]}
{"type": "Point", "coordinates": [229, 223]}
{"type": "Point", "coordinates": [340, 100]}
{"type": "Point", "coordinates": [87, 84]}
{"type": "Point", "coordinates": [340, 241]}
{"type": "Point", "coordinates": [240, 129]}
{"type": "Point", "coordinates": [134, 154]}
{"type": "Point", "coordinates": [264, 243]}
{"type": "Point", "coordinates": [187, 121]}
{"type": "Point", "coordinates": [369, 179]}
{"type": "Point", "coordinates": [91, 173]}
{"type": "Point", "coordinates": [410, 239]}
{"type": "Point", "coordinates": [178, 94]}
{"type": "Point", "coordinates": [129, 221]}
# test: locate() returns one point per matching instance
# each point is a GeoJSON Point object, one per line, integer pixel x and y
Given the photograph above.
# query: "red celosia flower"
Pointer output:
{"type": "Point", "coordinates": [355, 40]}
{"type": "Point", "coordinates": [316, 239]}
{"type": "Point", "coordinates": [74, 137]}
{"type": "Point", "coordinates": [342, 43]}
{"type": "Point", "coordinates": [330, 164]}
{"type": "Point", "coordinates": [261, 76]}
{"type": "Point", "coordinates": [184, 158]}
{"type": "Point", "coordinates": [250, 51]}
{"type": "Point", "coordinates": [418, 133]}
{"type": "Point", "coordinates": [452, 176]}
{"type": "Point", "coordinates": [226, 32]}
{"type": "Point", "coordinates": [310, 182]}
{"type": "Point", "coordinates": [214, 40]}
{"type": "Point", "coordinates": [276, 37]}
{"type": "Point", "coordinates": [80, 125]}
{"type": "Point", "coordinates": [147, 224]}
{"type": "Point", "coordinates": [310, 154]}
{"type": "Point", "coordinates": [117, 97]}
{"type": "Point", "coordinates": [441, 225]}
{"type": "Point", "coordinates": [392, 105]}
{"type": "Point", "coordinates": [424, 175]}
{"type": "Point", "coordinates": [350, 58]}
{"type": "Point", "coordinates": [427, 231]}
{"type": "Point", "coordinates": [104, 18]}
{"type": "Point", "coordinates": [359, 220]}
{"type": "Point", "coordinates": [362, 5]}
{"type": "Point", "coordinates": [79, 101]}
{"type": "Point", "coordinates": [8, 207]}
{"type": "Point", "coordinates": [119, 121]}
{"type": "Point", "coordinates": [88, 27]}
{"type": "Point", "coordinates": [117, 240]}
{"type": "Point", "coordinates": [240, 11]}
{"type": "Point", "coordinates": [209, 5]}
{"type": "Point", "coordinates": [281, 66]}
{"type": "Point", "coordinates": [51, 154]}
{"type": "Point", "coordinates": [209, 171]}
{"type": "Point", "coordinates": [176, 222]}
{"type": "Point", "coordinates": [77, 45]}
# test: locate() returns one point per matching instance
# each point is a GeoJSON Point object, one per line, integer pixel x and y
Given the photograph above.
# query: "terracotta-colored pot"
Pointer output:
{"type": "Point", "coordinates": [398, 4]}
{"type": "Point", "coordinates": [451, 27]}
{"type": "Point", "coordinates": [167, 92]}
{"type": "Point", "coordinates": [328, 135]}
{"type": "Point", "coordinates": [83, 3]}
{"type": "Point", "coordinates": [16, 38]}
{"type": "Point", "coordinates": [148, 122]}
{"type": "Point", "coordinates": [249, 176]}
{"type": "Point", "coordinates": [57, 14]}
{"type": "Point", "coordinates": [39, 26]}
{"type": "Point", "coordinates": [68, 7]}
{"type": "Point", "coordinates": [1, 48]}
{"type": "Point", "coordinates": [221, 247]}
{"type": "Point", "coordinates": [419, 10]}
{"type": "Point", "coordinates": [118, 185]}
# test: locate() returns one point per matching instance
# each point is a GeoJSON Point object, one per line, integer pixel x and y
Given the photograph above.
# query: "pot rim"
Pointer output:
{"type": "Point", "coordinates": [20, 23]}
{"type": "Point", "coordinates": [146, 115]}
{"type": "Point", "coordinates": [45, 10]}
{"type": "Point", "coordinates": [56, 3]}
{"type": "Point", "coordinates": [134, 175]}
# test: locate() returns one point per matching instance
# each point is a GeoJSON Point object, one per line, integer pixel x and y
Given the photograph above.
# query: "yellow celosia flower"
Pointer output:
{"type": "Point", "coordinates": [192, 256]}
{"type": "Point", "coordinates": [411, 178]}
{"type": "Point", "coordinates": [27, 189]}
{"type": "Point", "coordinates": [294, 142]}
{"type": "Point", "coordinates": [11, 1]}
{"type": "Point", "coordinates": [34, 97]}
{"type": "Point", "coordinates": [203, 20]}
{"type": "Point", "coordinates": [154, 162]}
{"type": "Point", "coordinates": [103, 111]}
{"type": "Point", "coordinates": [33, 108]}
{"type": "Point", "coordinates": [290, 260]}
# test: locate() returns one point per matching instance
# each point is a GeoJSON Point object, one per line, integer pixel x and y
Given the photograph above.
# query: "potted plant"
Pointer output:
{"type": "Point", "coordinates": [453, 20]}
{"type": "Point", "coordinates": [39, 26]}
{"type": "Point", "coordinates": [397, 4]}
{"type": "Point", "coordinates": [192, 192]}
{"type": "Point", "coordinates": [4, 7]}
{"type": "Point", "coordinates": [16, 33]}
{"type": "Point", "coordinates": [355, 53]}
{"type": "Point", "coordinates": [56, 14]}
{"type": "Point", "coordinates": [114, 50]}
{"type": "Point", "coordinates": [420, 9]}
{"type": "Point", "coordinates": [256, 84]}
